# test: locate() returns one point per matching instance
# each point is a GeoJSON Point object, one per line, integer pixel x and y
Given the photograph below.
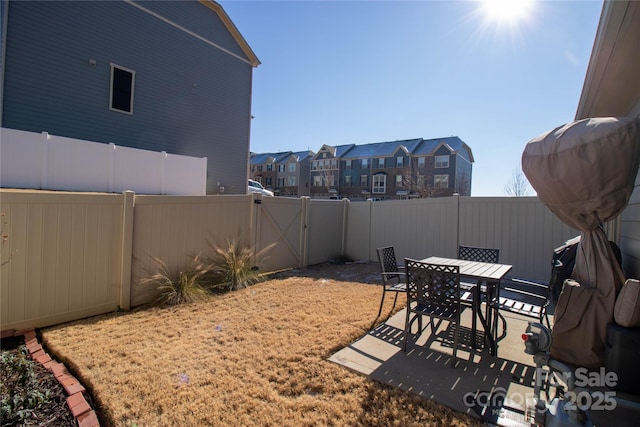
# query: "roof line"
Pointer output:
{"type": "Point", "coordinates": [253, 60]}
{"type": "Point", "coordinates": [235, 33]}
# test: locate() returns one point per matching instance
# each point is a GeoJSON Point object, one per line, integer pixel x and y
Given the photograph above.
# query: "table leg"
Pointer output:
{"type": "Point", "coordinates": [488, 333]}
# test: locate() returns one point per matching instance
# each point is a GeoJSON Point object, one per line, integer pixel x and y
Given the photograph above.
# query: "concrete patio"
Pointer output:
{"type": "Point", "coordinates": [494, 389]}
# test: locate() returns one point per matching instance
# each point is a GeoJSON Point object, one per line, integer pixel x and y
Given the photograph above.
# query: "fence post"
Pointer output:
{"type": "Point", "coordinates": [44, 167]}
{"type": "Point", "coordinates": [304, 231]}
{"type": "Point", "coordinates": [345, 217]}
{"type": "Point", "coordinates": [127, 249]}
{"type": "Point", "coordinates": [112, 166]}
{"type": "Point", "coordinates": [204, 176]}
{"type": "Point", "coordinates": [163, 173]}
{"type": "Point", "coordinates": [456, 220]}
{"type": "Point", "coordinates": [370, 250]}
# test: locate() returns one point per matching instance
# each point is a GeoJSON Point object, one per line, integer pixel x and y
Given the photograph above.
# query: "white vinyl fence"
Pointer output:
{"type": "Point", "coordinates": [49, 162]}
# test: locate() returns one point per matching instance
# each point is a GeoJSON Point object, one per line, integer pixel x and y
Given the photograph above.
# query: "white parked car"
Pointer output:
{"type": "Point", "coordinates": [256, 187]}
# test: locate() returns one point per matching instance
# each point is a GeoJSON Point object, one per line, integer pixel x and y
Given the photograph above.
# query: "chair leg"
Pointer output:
{"type": "Point", "coordinates": [474, 325]}
{"type": "Point", "coordinates": [394, 301]}
{"type": "Point", "coordinates": [407, 327]}
{"type": "Point", "coordinates": [381, 301]}
{"type": "Point", "coordinates": [455, 342]}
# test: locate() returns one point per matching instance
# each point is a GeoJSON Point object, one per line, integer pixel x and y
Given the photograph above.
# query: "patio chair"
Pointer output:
{"type": "Point", "coordinates": [490, 255]}
{"type": "Point", "coordinates": [393, 280]}
{"type": "Point", "coordinates": [432, 290]}
{"type": "Point", "coordinates": [520, 296]}
{"type": "Point", "coordinates": [525, 297]}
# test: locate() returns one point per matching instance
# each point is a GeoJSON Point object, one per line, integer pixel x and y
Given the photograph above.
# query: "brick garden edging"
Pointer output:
{"type": "Point", "coordinates": [85, 416]}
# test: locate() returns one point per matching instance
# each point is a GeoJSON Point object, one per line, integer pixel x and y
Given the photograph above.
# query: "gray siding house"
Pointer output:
{"type": "Point", "coordinates": [294, 174]}
{"type": "Point", "coordinates": [162, 76]}
{"type": "Point", "coordinates": [285, 173]}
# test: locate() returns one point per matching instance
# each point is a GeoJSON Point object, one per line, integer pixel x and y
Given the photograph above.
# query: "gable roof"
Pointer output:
{"type": "Point", "coordinates": [453, 143]}
{"type": "Point", "coordinates": [251, 56]}
{"type": "Point", "coordinates": [262, 158]}
{"type": "Point", "coordinates": [380, 149]}
{"type": "Point", "coordinates": [301, 155]}
{"type": "Point", "coordinates": [336, 151]}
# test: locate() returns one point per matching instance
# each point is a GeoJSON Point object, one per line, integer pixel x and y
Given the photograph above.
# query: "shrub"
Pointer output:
{"type": "Point", "coordinates": [178, 287]}
{"type": "Point", "coordinates": [20, 391]}
{"type": "Point", "coordinates": [233, 265]}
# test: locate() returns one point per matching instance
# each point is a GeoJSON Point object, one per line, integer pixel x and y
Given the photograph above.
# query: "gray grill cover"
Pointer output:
{"type": "Point", "coordinates": [584, 172]}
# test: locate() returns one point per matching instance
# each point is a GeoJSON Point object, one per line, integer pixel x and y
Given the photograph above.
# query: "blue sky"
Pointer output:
{"type": "Point", "coordinates": [356, 72]}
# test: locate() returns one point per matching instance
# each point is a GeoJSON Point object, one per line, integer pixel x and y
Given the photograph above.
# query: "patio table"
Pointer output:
{"type": "Point", "coordinates": [492, 274]}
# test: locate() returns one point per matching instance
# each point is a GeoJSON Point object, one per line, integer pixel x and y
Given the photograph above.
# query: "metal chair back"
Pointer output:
{"type": "Point", "coordinates": [470, 253]}
{"type": "Point", "coordinates": [432, 290]}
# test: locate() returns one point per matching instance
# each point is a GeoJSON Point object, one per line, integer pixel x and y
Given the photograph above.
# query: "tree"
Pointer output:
{"type": "Point", "coordinates": [518, 185]}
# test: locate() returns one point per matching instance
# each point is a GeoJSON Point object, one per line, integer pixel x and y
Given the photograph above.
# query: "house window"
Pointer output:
{"type": "Point", "coordinates": [280, 168]}
{"type": "Point", "coordinates": [441, 181]}
{"type": "Point", "coordinates": [330, 180]}
{"type": "Point", "coordinates": [291, 181]}
{"type": "Point", "coordinates": [347, 164]}
{"type": "Point", "coordinates": [421, 162]}
{"type": "Point", "coordinates": [334, 163]}
{"type": "Point", "coordinates": [268, 181]}
{"type": "Point", "coordinates": [270, 167]}
{"type": "Point", "coordinates": [317, 181]}
{"type": "Point", "coordinates": [259, 168]}
{"type": "Point", "coordinates": [380, 163]}
{"type": "Point", "coordinates": [364, 181]}
{"type": "Point", "coordinates": [365, 163]}
{"type": "Point", "coordinates": [442, 161]}
{"type": "Point", "coordinates": [398, 180]}
{"type": "Point", "coordinates": [121, 92]}
{"type": "Point", "coordinates": [399, 162]}
{"type": "Point", "coordinates": [347, 180]}
{"type": "Point", "coordinates": [292, 167]}
{"type": "Point", "coordinates": [379, 184]}
{"type": "Point", "coordinates": [280, 182]}
{"type": "Point", "coordinates": [421, 181]}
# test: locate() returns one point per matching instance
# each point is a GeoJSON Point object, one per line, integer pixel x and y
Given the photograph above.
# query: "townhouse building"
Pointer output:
{"type": "Point", "coordinates": [395, 169]}
{"type": "Point", "coordinates": [285, 173]}
{"type": "Point", "coordinates": [386, 170]}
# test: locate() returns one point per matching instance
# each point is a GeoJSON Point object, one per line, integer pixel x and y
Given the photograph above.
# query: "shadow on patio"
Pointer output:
{"type": "Point", "coordinates": [494, 389]}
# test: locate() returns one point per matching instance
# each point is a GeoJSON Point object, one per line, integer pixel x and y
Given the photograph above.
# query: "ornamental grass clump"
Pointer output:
{"type": "Point", "coordinates": [178, 287]}
{"type": "Point", "coordinates": [233, 266]}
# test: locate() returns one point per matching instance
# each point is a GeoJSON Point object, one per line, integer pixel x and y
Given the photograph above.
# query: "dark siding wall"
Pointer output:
{"type": "Point", "coordinates": [444, 151]}
{"type": "Point", "coordinates": [463, 176]}
{"type": "Point", "coordinates": [198, 19]}
{"type": "Point", "coordinates": [190, 98]}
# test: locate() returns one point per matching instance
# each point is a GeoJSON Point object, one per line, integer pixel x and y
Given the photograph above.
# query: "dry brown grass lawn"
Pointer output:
{"type": "Point", "coordinates": [257, 356]}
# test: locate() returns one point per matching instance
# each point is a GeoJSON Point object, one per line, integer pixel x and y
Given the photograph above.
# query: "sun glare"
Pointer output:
{"type": "Point", "coordinates": [506, 11]}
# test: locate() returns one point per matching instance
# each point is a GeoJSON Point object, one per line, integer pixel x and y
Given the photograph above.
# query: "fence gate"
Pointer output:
{"type": "Point", "coordinates": [280, 220]}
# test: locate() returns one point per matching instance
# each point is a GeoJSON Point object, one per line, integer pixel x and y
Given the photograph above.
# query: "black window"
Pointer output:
{"type": "Point", "coordinates": [121, 89]}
